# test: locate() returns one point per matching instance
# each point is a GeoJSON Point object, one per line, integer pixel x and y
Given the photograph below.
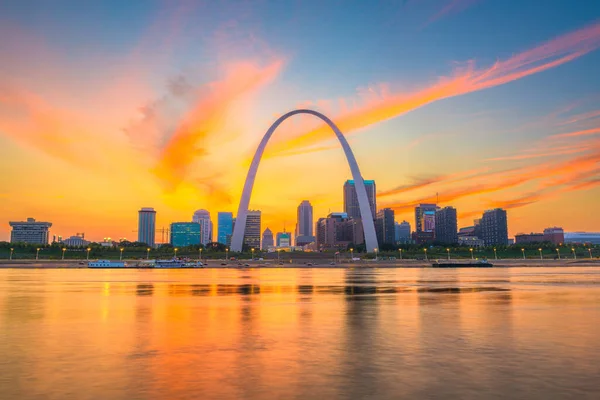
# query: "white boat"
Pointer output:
{"type": "Point", "coordinates": [107, 264]}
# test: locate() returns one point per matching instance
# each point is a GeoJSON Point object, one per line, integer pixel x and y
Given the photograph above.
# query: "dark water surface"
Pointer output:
{"type": "Point", "coordinates": [300, 333]}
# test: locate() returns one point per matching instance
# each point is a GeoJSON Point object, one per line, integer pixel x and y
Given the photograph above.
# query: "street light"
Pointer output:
{"type": "Point", "coordinates": [175, 250]}
{"type": "Point", "coordinates": [495, 254]}
{"type": "Point", "coordinates": [63, 254]}
{"type": "Point", "coordinates": [121, 255]}
{"type": "Point", "coordinates": [352, 255]}
{"type": "Point", "coordinates": [589, 250]}
{"type": "Point", "coordinates": [541, 256]}
{"type": "Point", "coordinates": [376, 258]}
{"type": "Point", "coordinates": [226, 254]}
{"type": "Point", "coordinates": [558, 252]}
{"type": "Point", "coordinates": [252, 250]}
{"type": "Point", "coordinates": [88, 254]}
{"type": "Point", "coordinates": [12, 250]}
{"type": "Point", "coordinates": [425, 250]}
{"type": "Point", "coordinates": [523, 251]}
{"type": "Point", "coordinates": [200, 253]}
{"type": "Point", "coordinates": [471, 250]}
{"type": "Point", "coordinates": [148, 253]}
{"type": "Point", "coordinates": [400, 250]}
{"type": "Point", "coordinates": [574, 254]}
{"type": "Point", "coordinates": [37, 254]}
{"type": "Point", "coordinates": [448, 251]}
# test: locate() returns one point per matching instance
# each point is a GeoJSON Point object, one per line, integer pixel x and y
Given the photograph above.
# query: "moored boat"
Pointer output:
{"type": "Point", "coordinates": [462, 264]}
{"type": "Point", "coordinates": [175, 263]}
{"type": "Point", "coordinates": [107, 264]}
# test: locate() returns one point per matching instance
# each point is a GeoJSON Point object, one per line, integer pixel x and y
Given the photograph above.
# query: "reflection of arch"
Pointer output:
{"type": "Point", "coordinates": [363, 201]}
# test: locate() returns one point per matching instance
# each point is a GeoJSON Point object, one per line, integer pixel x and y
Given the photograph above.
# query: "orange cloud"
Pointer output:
{"type": "Point", "coordinates": [419, 184]}
{"type": "Point", "coordinates": [29, 119]}
{"type": "Point", "coordinates": [569, 175]}
{"type": "Point", "coordinates": [381, 106]}
{"type": "Point", "coordinates": [208, 115]}
{"type": "Point", "coordinates": [585, 132]}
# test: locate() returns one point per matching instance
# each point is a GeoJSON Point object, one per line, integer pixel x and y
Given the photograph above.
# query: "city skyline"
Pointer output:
{"type": "Point", "coordinates": [505, 120]}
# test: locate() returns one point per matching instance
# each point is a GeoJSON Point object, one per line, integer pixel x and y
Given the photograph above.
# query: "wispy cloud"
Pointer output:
{"type": "Point", "coordinates": [381, 104]}
{"type": "Point", "coordinates": [451, 7]}
{"type": "Point", "coordinates": [551, 178]}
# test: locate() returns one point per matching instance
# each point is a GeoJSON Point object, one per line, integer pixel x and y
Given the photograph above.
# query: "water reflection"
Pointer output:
{"type": "Point", "coordinates": [341, 333]}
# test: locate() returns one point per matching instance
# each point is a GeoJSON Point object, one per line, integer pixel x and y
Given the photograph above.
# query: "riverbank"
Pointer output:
{"type": "Point", "coordinates": [323, 264]}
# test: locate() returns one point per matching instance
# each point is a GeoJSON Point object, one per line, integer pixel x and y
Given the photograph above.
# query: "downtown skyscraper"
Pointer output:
{"type": "Point", "coordinates": [493, 227]}
{"type": "Point", "coordinates": [446, 226]}
{"type": "Point", "coordinates": [304, 226]}
{"type": "Point", "coordinates": [225, 227]}
{"type": "Point", "coordinates": [252, 231]}
{"type": "Point", "coordinates": [425, 223]}
{"type": "Point", "coordinates": [385, 226]}
{"type": "Point", "coordinates": [202, 217]}
{"type": "Point", "coordinates": [147, 226]}
{"type": "Point", "coordinates": [351, 206]}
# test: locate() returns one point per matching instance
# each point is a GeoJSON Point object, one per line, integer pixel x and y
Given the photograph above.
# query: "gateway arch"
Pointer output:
{"type": "Point", "coordinates": [363, 202]}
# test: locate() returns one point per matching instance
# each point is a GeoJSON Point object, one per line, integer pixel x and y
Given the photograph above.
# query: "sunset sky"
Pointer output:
{"type": "Point", "coordinates": [110, 106]}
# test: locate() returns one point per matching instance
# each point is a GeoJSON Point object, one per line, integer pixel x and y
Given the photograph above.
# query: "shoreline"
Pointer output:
{"type": "Point", "coordinates": [216, 264]}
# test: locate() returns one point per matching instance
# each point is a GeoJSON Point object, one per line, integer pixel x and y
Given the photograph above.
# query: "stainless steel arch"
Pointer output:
{"type": "Point", "coordinates": [363, 201]}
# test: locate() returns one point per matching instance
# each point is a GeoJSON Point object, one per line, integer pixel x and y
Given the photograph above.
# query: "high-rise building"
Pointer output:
{"type": "Point", "coordinates": [267, 240]}
{"type": "Point", "coordinates": [494, 228]}
{"type": "Point", "coordinates": [225, 228]}
{"type": "Point", "coordinates": [351, 199]}
{"type": "Point", "coordinates": [338, 231]}
{"type": "Point", "coordinates": [252, 231]}
{"type": "Point", "coordinates": [385, 226]}
{"type": "Point", "coordinates": [202, 217]}
{"type": "Point", "coordinates": [555, 235]}
{"type": "Point", "coordinates": [147, 226]}
{"type": "Point", "coordinates": [446, 226]}
{"type": "Point", "coordinates": [304, 226]}
{"type": "Point", "coordinates": [185, 234]}
{"type": "Point", "coordinates": [403, 232]}
{"type": "Point", "coordinates": [29, 231]}
{"type": "Point", "coordinates": [425, 218]}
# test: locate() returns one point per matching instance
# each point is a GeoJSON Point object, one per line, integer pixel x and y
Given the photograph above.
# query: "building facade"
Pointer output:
{"type": "Point", "coordinates": [525, 238]}
{"type": "Point", "coordinates": [494, 227]}
{"type": "Point", "coordinates": [403, 232]}
{"type": "Point", "coordinates": [225, 227]}
{"type": "Point", "coordinates": [202, 217]}
{"type": "Point", "coordinates": [30, 231]}
{"type": "Point", "coordinates": [147, 226]}
{"type": "Point", "coordinates": [554, 235]}
{"type": "Point", "coordinates": [304, 225]}
{"type": "Point", "coordinates": [351, 206]}
{"type": "Point", "coordinates": [582, 237]}
{"type": "Point", "coordinates": [425, 218]}
{"type": "Point", "coordinates": [337, 231]}
{"type": "Point", "coordinates": [284, 239]}
{"type": "Point", "coordinates": [253, 228]}
{"type": "Point", "coordinates": [185, 234]}
{"type": "Point", "coordinates": [385, 226]}
{"type": "Point", "coordinates": [267, 240]}
{"type": "Point", "coordinates": [76, 241]}
{"type": "Point", "coordinates": [446, 225]}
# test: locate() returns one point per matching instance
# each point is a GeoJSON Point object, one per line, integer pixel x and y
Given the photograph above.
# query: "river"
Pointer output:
{"type": "Point", "coordinates": [300, 333]}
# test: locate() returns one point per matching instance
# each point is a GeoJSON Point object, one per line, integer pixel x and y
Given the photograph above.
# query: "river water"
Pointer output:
{"type": "Point", "coordinates": [300, 333]}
